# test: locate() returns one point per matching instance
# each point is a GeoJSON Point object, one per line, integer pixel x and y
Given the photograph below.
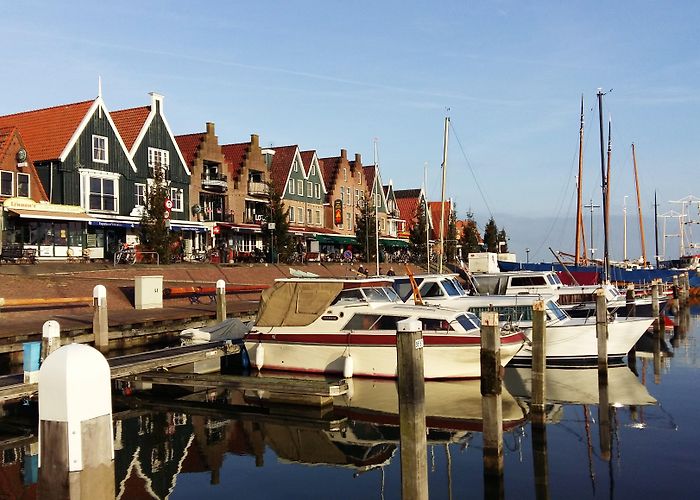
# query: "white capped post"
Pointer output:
{"type": "Point", "coordinates": [220, 300]}
{"type": "Point", "coordinates": [100, 321]}
{"type": "Point", "coordinates": [50, 338]}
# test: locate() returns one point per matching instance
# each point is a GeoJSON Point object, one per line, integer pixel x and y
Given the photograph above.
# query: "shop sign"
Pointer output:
{"type": "Point", "coordinates": [338, 212]}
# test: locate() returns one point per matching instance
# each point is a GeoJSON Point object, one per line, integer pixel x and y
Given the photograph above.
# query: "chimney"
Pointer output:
{"type": "Point", "coordinates": [156, 102]}
{"type": "Point", "coordinates": [344, 154]}
{"type": "Point", "coordinates": [210, 128]}
{"type": "Point", "coordinates": [358, 159]}
{"type": "Point", "coordinates": [254, 141]}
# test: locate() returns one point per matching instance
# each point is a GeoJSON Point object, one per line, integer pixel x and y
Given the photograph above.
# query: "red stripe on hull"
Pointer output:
{"type": "Point", "coordinates": [368, 339]}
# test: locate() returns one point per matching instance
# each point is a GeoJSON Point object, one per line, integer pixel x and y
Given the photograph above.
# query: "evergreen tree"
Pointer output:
{"type": "Point", "coordinates": [471, 239]}
{"type": "Point", "coordinates": [451, 242]}
{"type": "Point", "coordinates": [416, 239]}
{"type": "Point", "coordinates": [365, 230]}
{"type": "Point", "coordinates": [279, 239]}
{"type": "Point", "coordinates": [491, 236]}
{"type": "Point", "coordinates": [155, 233]}
{"type": "Point", "coordinates": [503, 237]}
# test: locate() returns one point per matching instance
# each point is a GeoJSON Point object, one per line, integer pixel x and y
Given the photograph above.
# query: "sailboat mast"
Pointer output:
{"type": "Point", "coordinates": [639, 206]}
{"type": "Point", "coordinates": [442, 199]}
{"type": "Point", "coordinates": [607, 177]}
{"type": "Point", "coordinates": [656, 229]}
{"type": "Point", "coordinates": [604, 185]}
{"type": "Point", "coordinates": [427, 217]}
{"type": "Point", "coordinates": [579, 213]}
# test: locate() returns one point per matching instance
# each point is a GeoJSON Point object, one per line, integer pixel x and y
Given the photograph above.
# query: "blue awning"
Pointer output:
{"type": "Point", "coordinates": [187, 226]}
{"type": "Point", "coordinates": [112, 223]}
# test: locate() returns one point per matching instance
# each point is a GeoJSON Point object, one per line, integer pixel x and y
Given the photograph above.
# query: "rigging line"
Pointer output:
{"type": "Point", "coordinates": [478, 186]}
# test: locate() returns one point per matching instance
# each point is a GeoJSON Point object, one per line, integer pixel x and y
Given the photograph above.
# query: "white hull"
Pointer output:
{"type": "Point", "coordinates": [447, 361]}
{"type": "Point", "coordinates": [576, 341]}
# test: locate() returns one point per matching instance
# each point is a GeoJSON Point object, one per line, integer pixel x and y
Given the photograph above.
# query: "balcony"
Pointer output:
{"type": "Point", "coordinates": [215, 182]}
{"type": "Point", "coordinates": [258, 188]}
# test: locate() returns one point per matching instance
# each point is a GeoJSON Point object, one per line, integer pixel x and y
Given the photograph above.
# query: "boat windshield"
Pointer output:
{"type": "Point", "coordinates": [450, 288]}
{"type": "Point", "coordinates": [378, 294]}
{"type": "Point", "coordinates": [458, 286]}
{"type": "Point", "coordinates": [555, 310]}
{"type": "Point", "coordinates": [554, 279]}
{"type": "Point", "coordinates": [469, 321]}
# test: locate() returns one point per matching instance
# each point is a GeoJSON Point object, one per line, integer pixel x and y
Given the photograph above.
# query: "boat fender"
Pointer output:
{"type": "Point", "coordinates": [245, 360]}
{"type": "Point", "coordinates": [259, 356]}
{"type": "Point", "coordinates": [347, 366]}
{"type": "Point", "coordinates": [351, 390]}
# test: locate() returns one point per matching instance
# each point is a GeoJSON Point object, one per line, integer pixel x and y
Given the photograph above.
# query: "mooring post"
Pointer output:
{"type": "Point", "coordinates": [539, 397]}
{"type": "Point", "coordinates": [676, 294]}
{"type": "Point", "coordinates": [601, 329]}
{"type": "Point", "coordinates": [655, 309]}
{"type": "Point", "coordinates": [411, 381]}
{"type": "Point", "coordinates": [491, 410]}
{"type": "Point", "coordinates": [220, 300]}
{"type": "Point", "coordinates": [76, 451]}
{"type": "Point", "coordinates": [100, 321]}
{"type": "Point", "coordinates": [50, 338]}
{"type": "Point", "coordinates": [685, 288]}
{"type": "Point", "coordinates": [604, 415]}
{"type": "Point", "coordinates": [630, 301]}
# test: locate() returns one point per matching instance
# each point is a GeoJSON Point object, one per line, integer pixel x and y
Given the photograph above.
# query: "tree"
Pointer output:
{"type": "Point", "coordinates": [491, 236]}
{"type": "Point", "coordinates": [471, 239]}
{"type": "Point", "coordinates": [155, 224]}
{"type": "Point", "coordinates": [416, 239]}
{"type": "Point", "coordinates": [281, 242]}
{"type": "Point", "coordinates": [365, 230]}
{"type": "Point", "coordinates": [503, 238]}
{"type": "Point", "coordinates": [451, 237]}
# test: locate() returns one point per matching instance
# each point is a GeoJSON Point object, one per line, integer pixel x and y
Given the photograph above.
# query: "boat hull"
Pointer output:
{"type": "Point", "coordinates": [444, 356]}
{"type": "Point", "coordinates": [576, 343]}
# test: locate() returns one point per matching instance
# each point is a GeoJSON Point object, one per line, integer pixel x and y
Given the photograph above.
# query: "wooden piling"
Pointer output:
{"type": "Point", "coordinates": [630, 302]}
{"type": "Point", "coordinates": [601, 328]}
{"type": "Point", "coordinates": [50, 338]}
{"type": "Point", "coordinates": [220, 300]}
{"type": "Point", "coordinates": [100, 321]}
{"type": "Point", "coordinates": [605, 432]}
{"type": "Point", "coordinates": [491, 410]}
{"type": "Point", "coordinates": [674, 302]}
{"type": "Point", "coordinates": [655, 308]}
{"type": "Point", "coordinates": [411, 382]}
{"type": "Point", "coordinates": [76, 457]}
{"type": "Point", "coordinates": [539, 359]}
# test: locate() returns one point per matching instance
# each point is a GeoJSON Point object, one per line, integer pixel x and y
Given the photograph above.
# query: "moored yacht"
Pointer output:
{"type": "Point", "coordinates": [323, 325]}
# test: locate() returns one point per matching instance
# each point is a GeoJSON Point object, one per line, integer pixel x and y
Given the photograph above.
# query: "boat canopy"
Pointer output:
{"type": "Point", "coordinates": [295, 303]}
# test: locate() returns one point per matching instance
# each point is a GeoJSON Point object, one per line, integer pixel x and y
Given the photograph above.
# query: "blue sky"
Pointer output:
{"type": "Point", "coordinates": [331, 75]}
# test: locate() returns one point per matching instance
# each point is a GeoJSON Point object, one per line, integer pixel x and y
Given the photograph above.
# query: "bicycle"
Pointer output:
{"type": "Point", "coordinates": [125, 256]}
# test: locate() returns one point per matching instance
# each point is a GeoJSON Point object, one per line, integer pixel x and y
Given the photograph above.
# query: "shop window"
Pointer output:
{"type": "Point", "coordinates": [6, 183]}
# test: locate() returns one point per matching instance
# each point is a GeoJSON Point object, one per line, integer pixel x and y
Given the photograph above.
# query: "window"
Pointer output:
{"type": "Point", "coordinates": [176, 198]}
{"type": "Point", "coordinates": [102, 195]}
{"type": "Point", "coordinates": [317, 189]}
{"type": "Point", "coordinates": [300, 187]}
{"type": "Point", "coordinates": [6, 183]}
{"type": "Point", "coordinates": [158, 158]}
{"type": "Point", "coordinates": [431, 290]}
{"type": "Point", "coordinates": [348, 218]}
{"type": "Point", "coordinates": [345, 174]}
{"type": "Point", "coordinates": [342, 195]}
{"type": "Point", "coordinates": [99, 149]}
{"type": "Point", "coordinates": [23, 185]}
{"type": "Point", "coordinates": [291, 214]}
{"type": "Point", "coordinates": [309, 189]}
{"type": "Point", "coordinates": [435, 324]}
{"type": "Point", "coordinates": [318, 217]}
{"type": "Point", "coordinates": [308, 216]}
{"type": "Point", "coordinates": [300, 216]}
{"type": "Point", "coordinates": [357, 194]}
{"type": "Point", "coordinates": [295, 167]}
{"type": "Point", "coordinates": [291, 186]}
{"type": "Point", "coordinates": [140, 195]}
{"type": "Point", "coordinates": [359, 177]}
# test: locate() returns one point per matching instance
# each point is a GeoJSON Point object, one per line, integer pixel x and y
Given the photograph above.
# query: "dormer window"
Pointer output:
{"type": "Point", "coordinates": [99, 149]}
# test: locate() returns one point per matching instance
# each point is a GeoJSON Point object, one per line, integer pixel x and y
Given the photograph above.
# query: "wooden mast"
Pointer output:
{"type": "Point", "coordinates": [442, 199]}
{"type": "Point", "coordinates": [607, 192]}
{"type": "Point", "coordinates": [639, 207]}
{"type": "Point", "coordinates": [604, 186]}
{"type": "Point", "coordinates": [579, 210]}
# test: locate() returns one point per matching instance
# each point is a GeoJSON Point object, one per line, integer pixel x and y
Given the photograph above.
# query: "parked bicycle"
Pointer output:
{"type": "Point", "coordinates": [127, 255]}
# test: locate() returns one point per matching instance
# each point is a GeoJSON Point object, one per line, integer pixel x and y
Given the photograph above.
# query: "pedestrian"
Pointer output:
{"type": "Point", "coordinates": [391, 272]}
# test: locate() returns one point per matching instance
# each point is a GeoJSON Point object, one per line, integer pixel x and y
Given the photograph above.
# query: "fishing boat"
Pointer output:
{"type": "Point", "coordinates": [347, 326]}
{"type": "Point", "coordinates": [569, 341]}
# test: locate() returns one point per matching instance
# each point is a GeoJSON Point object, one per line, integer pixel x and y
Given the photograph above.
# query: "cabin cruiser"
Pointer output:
{"type": "Point", "coordinates": [569, 341]}
{"type": "Point", "coordinates": [319, 325]}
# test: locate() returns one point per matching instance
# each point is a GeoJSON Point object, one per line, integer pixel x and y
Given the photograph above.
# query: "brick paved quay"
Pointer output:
{"type": "Point", "coordinates": [56, 280]}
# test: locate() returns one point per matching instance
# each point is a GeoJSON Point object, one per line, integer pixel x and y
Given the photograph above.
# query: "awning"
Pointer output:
{"type": "Point", "coordinates": [197, 227]}
{"type": "Point", "coordinates": [392, 242]}
{"type": "Point", "coordinates": [113, 223]}
{"type": "Point", "coordinates": [50, 215]}
{"type": "Point", "coordinates": [336, 239]}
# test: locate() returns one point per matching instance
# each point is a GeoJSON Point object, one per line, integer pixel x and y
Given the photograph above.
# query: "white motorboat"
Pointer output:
{"type": "Point", "coordinates": [570, 341]}
{"type": "Point", "coordinates": [320, 325]}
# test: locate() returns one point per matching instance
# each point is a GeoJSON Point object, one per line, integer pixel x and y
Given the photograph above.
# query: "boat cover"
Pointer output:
{"type": "Point", "coordinates": [229, 329]}
{"type": "Point", "coordinates": [295, 303]}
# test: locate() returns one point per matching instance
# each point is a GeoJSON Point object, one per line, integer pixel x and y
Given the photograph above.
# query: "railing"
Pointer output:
{"type": "Point", "coordinates": [215, 181]}
{"type": "Point", "coordinates": [131, 256]}
{"type": "Point", "coordinates": [259, 188]}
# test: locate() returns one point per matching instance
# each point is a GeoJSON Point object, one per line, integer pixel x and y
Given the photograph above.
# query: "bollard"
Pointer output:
{"type": "Point", "coordinates": [76, 451]}
{"type": "Point", "coordinates": [411, 382]}
{"type": "Point", "coordinates": [539, 359]}
{"type": "Point", "coordinates": [100, 322]}
{"type": "Point", "coordinates": [601, 329]}
{"type": "Point", "coordinates": [630, 302]}
{"type": "Point", "coordinates": [220, 300]}
{"type": "Point", "coordinates": [655, 308]}
{"type": "Point", "coordinates": [50, 338]}
{"type": "Point", "coordinates": [491, 410]}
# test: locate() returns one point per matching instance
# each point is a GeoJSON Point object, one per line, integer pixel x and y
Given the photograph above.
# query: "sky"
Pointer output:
{"type": "Point", "coordinates": [328, 75]}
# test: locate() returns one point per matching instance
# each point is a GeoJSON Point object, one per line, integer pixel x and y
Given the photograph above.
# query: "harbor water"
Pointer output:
{"type": "Point", "coordinates": [214, 444]}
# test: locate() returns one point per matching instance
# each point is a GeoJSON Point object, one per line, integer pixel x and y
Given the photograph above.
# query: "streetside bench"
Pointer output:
{"type": "Point", "coordinates": [16, 254]}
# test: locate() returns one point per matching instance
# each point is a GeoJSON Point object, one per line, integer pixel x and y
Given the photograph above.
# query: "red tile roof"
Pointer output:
{"type": "Point", "coordinates": [281, 163]}
{"type": "Point", "coordinates": [370, 172]}
{"type": "Point", "coordinates": [407, 201]}
{"type": "Point", "coordinates": [329, 170]}
{"type": "Point", "coordinates": [6, 134]}
{"type": "Point", "coordinates": [188, 145]}
{"type": "Point", "coordinates": [46, 132]}
{"type": "Point", "coordinates": [436, 215]}
{"type": "Point", "coordinates": [129, 123]}
{"type": "Point", "coordinates": [306, 158]}
{"type": "Point", "coordinates": [235, 155]}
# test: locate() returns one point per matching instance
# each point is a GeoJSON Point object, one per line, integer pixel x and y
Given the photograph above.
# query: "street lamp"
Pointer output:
{"type": "Point", "coordinates": [271, 226]}
{"type": "Point", "coordinates": [527, 255]}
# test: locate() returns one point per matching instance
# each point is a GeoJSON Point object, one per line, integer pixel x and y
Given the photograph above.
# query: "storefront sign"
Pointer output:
{"type": "Point", "coordinates": [338, 212]}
